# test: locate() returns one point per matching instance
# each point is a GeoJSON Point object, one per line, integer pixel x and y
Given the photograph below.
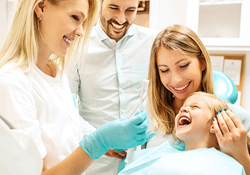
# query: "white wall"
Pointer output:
{"type": "Point", "coordinates": [3, 21]}
{"type": "Point", "coordinates": [7, 9]}
{"type": "Point", "coordinates": [164, 13]}
{"type": "Point", "coordinates": [246, 83]}
{"type": "Point", "coordinates": [246, 96]}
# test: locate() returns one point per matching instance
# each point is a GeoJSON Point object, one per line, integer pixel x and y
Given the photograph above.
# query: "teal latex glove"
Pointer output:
{"type": "Point", "coordinates": [119, 134]}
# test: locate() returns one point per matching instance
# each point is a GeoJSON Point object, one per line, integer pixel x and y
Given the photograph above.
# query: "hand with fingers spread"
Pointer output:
{"type": "Point", "coordinates": [232, 137]}
{"type": "Point", "coordinates": [231, 133]}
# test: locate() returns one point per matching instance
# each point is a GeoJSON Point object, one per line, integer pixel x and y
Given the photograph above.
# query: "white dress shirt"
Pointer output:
{"type": "Point", "coordinates": [108, 83]}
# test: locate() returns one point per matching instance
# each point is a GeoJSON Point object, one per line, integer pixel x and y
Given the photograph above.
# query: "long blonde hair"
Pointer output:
{"type": "Point", "coordinates": [184, 40]}
{"type": "Point", "coordinates": [21, 45]}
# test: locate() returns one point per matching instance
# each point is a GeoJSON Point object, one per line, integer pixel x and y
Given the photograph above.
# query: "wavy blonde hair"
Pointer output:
{"type": "Point", "coordinates": [21, 45]}
{"type": "Point", "coordinates": [184, 40]}
{"type": "Point", "coordinates": [215, 104]}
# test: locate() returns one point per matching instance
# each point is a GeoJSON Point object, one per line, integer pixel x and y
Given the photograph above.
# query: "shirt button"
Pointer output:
{"type": "Point", "coordinates": [123, 111]}
{"type": "Point", "coordinates": [119, 70]}
{"type": "Point", "coordinates": [121, 90]}
{"type": "Point", "coordinates": [117, 50]}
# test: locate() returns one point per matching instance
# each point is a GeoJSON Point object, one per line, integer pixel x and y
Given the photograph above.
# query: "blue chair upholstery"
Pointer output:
{"type": "Point", "coordinates": [224, 87]}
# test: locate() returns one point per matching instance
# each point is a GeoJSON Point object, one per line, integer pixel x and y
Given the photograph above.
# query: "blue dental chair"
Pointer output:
{"type": "Point", "coordinates": [224, 87]}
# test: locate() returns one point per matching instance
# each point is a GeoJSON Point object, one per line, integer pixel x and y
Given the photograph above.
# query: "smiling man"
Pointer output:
{"type": "Point", "coordinates": [108, 84]}
{"type": "Point", "coordinates": [117, 17]}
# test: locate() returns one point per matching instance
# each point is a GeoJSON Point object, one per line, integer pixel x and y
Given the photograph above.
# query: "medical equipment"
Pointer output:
{"type": "Point", "coordinates": [224, 87]}
{"type": "Point", "coordinates": [144, 89]}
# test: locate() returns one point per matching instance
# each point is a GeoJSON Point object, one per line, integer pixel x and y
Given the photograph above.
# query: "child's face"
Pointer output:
{"type": "Point", "coordinates": [194, 119]}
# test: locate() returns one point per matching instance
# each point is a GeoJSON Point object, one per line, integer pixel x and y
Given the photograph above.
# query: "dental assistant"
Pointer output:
{"type": "Point", "coordinates": [111, 77]}
{"type": "Point", "coordinates": [35, 96]}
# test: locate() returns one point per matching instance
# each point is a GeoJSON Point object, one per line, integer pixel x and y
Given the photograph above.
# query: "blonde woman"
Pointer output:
{"type": "Point", "coordinates": [196, 126]}
{"type": "Point", "coordinates": [35, 96]}
{"type": "Point", "coordinates": [180, 65]}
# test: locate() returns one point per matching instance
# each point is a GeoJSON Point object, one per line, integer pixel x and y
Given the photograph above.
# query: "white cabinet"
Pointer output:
{"type": "Point", "coordinates": [221, 24]}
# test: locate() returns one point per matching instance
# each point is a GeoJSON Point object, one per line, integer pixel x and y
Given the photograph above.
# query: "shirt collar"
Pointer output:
{"type": "Point", "coordinates": [103, 36]}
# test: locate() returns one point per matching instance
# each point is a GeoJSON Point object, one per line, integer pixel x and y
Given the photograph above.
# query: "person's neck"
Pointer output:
{"type": "Point", "coordinates": [205, 142]}
{"type": "Point", "coordinates": [46, 65]}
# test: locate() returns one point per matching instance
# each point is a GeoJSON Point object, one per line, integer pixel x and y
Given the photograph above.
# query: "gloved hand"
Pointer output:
{"type": "Point", "coordinates": [119, 134]}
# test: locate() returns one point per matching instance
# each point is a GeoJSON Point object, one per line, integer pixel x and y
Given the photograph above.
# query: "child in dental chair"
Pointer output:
{"type": "Point", "coordinates": [196, 151]}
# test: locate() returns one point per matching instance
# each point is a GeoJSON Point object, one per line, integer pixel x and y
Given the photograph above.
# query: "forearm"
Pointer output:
{"type": "Point", "coordinates": [245, 162]}
{"type": "Point", "coordinates": [76, 163]}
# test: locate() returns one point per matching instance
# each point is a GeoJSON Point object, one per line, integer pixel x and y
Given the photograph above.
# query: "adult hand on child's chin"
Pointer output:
{"type": "Point", "coordinates": [231, 135]}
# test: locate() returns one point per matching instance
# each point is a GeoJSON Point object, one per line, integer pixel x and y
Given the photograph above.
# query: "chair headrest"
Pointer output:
{"type": "Point", "coordinates": [224, 87]}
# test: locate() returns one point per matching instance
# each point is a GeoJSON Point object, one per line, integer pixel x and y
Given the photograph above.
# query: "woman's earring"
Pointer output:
{"type": "Point", "coordinates": [38, 24]}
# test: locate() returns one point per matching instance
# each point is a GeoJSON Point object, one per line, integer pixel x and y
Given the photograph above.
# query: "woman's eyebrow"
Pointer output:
{"type": "Point", "coordinates": [82, 14]}
{"type": "Point", "coordinates": [183, 59]}
{"type": "Point", "coordinates": [113, 5]}
{"type": "Point", "coordinates": [162, 65]}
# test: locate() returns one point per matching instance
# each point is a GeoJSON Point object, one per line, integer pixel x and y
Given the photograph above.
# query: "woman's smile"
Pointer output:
{"type": "Point", "coordinates": [179, 73]}
{"type": "Point", "coordinates": [182, 88]}
{"type": "Point", "coordinates": [67, 40]}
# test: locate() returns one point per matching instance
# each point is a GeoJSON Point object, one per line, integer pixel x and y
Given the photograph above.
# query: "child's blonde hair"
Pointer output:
{"type": "Point", "coordinates": [216, 104]}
